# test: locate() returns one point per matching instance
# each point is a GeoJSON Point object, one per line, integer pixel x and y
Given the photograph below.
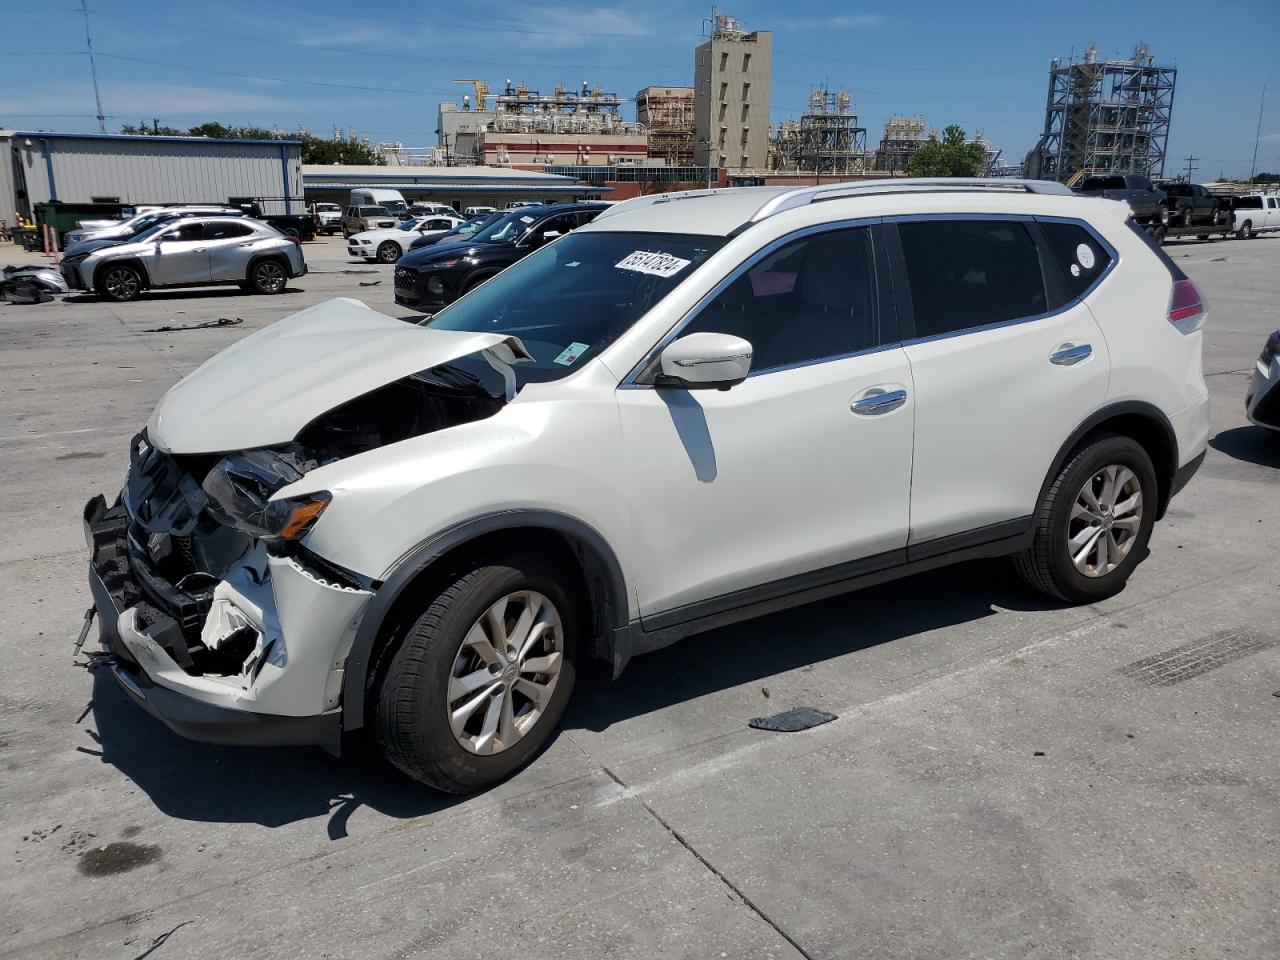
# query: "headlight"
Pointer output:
{"type": "Point", "coordinates": [1271, 350]}
{"type": "Point", "coordinates": [240, 487]}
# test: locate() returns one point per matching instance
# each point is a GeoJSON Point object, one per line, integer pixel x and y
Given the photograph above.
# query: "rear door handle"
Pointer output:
{"type": "Point", "coordinates": [874, 404]}
{"type": "Point", "coordinates": [1070, 354]}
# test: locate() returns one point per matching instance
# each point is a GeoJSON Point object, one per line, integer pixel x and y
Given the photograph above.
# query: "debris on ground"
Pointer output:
{"type": "Point", "coordinates": [369, 283]}
{"type": "Point", "coordinates": [207, 325]}
{"type": "Point", "coordinates": [1216, 259]}
{"type": "Point", "coordinates": [159, 941]}
{"type": "Point", "coordinates": [792, 721]}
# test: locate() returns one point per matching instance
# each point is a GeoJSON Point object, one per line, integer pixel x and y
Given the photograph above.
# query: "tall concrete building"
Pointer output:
{"type": "Point", "coordinates": [732, 73]}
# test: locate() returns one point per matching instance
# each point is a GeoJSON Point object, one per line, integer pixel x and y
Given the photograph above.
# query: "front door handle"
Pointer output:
{"type": "Point", "coordinates": [874, 404]}
{"type": "Point", "coordinates": [1071, 354]}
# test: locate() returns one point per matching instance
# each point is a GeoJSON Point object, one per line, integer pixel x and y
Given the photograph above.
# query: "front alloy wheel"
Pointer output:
{"type": "Point", "coordinates": [388, 252]}
{"type": "Point", "coordinates": [505, 673]}
{"type": "Point", "coordinates": [1105, 520]}
{"type": "Point", "coordinates": [121, 284]}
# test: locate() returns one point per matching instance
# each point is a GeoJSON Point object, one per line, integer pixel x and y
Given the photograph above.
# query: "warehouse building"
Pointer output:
{"type": "Point", "coordinates": [459, 187]}
{"type": "Point", "coordinates": [79, 168]}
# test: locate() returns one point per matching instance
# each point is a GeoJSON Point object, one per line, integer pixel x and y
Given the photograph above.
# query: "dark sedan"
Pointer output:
{"type": "Point", "coordinates": [431, 278]}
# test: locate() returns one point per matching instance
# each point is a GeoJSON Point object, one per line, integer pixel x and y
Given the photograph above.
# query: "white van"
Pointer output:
{"type": "Point", "coordinates": [391, 200]}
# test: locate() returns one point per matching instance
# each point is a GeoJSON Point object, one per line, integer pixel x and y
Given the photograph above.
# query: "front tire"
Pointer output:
{"type": "Point", "coordinates": [120, 284]}
{"type": "Point", "coordinates": [388, 252]}
{"type": "Point", "coordinates": [1094, 524]}
{"type": "Point", "coordinates": [1163, 215]}
{"type": "Point", "coordinates": [268, 277]}
{"type": "Point", "coordinates": [482, 676]}
{"type": "Point", "coordinates": [1186, 218]}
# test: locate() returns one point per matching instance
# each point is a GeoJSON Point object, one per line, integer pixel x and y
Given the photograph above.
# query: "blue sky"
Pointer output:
{"type": "Point", "coordinates": [382, 68]}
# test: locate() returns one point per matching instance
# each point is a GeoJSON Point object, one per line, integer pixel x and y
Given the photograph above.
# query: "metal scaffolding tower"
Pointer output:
{"type": "Point", "coordinates": [1109, 116]}
{"type": "Point", "coordinates": [827, 139]}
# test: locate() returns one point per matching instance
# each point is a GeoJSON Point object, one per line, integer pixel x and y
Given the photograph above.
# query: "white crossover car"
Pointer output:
{"type": "Point", "coordinates": [389, 245]}
{"type": "Point", "coordinates": [695, 409]}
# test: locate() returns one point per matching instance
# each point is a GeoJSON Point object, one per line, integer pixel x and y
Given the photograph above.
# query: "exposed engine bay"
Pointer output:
{"type": "Point", "coordinates": [201, 531]}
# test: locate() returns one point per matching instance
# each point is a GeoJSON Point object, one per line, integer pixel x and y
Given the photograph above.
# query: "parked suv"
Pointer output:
{"type": "Point", "coordinates": [359, 219]}
{"type": "Point", "coordinates": [192, 252]}
{"type": "Point", "coordinates": [1147, 201]}
{"type": "Point", "coordinates": [697, 408]}
{"type": "Point", "coordinates": [1190, 204]}
{"type": "Point", "coordinates": [428, 279]}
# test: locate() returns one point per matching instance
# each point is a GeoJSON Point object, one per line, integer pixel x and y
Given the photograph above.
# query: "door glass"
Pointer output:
{"type": "Point", "coordinates": [812, 299]}
{"type": "Point", "coordinates": [226, 231]}
{"type": "Point", "coordinates": [970, 273]}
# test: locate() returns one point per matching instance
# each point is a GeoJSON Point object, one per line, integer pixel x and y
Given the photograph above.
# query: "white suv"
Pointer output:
{"type": "Point", "coordinates": [698, 408]}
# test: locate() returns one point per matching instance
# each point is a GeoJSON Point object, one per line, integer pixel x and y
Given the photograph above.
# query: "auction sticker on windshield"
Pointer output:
{"type": "Point", "coordinates": [658, 264]}
{"type": "Point", "coordinates": [571, 353]}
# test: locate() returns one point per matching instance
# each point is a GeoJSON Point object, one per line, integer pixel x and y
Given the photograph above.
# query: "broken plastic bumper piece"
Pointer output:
{"type": "Point", "coordinates": [200, 658]}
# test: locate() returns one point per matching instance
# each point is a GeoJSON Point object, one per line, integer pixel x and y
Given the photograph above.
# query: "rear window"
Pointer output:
{"type": "Point", "coordinates": [1248, 203]}
{"type": "Point", "coordinates": [1082, 257]}
{"type": "Point", "coordinates": [1103, 183]}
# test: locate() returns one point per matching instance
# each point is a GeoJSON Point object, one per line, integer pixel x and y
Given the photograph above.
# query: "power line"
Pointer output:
{"type": "Point", "coordinates": [93, 68]}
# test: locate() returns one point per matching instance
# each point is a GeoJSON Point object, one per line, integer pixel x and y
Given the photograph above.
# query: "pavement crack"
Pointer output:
{"type": "Point", "coordinates": [716, 871]}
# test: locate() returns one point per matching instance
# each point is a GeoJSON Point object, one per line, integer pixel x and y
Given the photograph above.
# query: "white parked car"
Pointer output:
{"type": "Point", "coordinates": [389, 244]}
{"type": "Point", "coordinates": [433, 209]}
{"type": "Point", "coordinates": [1254, 214]}
{"type": "Point", "coordinates": [473, 212]}
{"type": "Point", "coordinates": [695, 409]}
{"type": "Point", "coordinates": [1262, 403]}
{"type": "Point", "coordinates": [125, 229]}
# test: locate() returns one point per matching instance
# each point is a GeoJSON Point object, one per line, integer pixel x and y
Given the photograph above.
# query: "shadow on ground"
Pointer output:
{"type": "Point", "coordinates": [193, 293]}
{"type": "Point", "coordinates": [1250, 444]}
{"type": "Point", "coordinates": [211, 783]}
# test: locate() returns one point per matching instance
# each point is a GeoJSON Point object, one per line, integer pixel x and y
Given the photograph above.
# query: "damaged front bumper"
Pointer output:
{"type": "Point", "coordinates": [256, 658]}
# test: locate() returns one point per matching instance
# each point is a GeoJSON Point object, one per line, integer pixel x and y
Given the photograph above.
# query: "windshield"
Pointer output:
{"type": "Point", "coordinates": [144, 224]}
{"type": "Point", "coordinates": [152, 230]}
{"type": "Point", "coordinates": [573, 298]}
{"type": "Point", "coordinates": [409, 225]}
{"type": "Point", "coordinates": [394, 206]}
{"type": "Point", "coordinates": [328, 208]}
{"type": "Point", "coordinates": [506, 229]}
{"type": "Point", "coordinates": [373, 211]}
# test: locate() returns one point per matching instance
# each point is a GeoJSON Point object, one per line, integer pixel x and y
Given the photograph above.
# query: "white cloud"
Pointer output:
{"type": "Point", "coordinates": [855, 21]}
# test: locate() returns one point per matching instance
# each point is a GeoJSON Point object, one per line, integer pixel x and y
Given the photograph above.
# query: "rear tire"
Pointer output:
{"type": "Point", "coordinates": [268, 277]}
{"type": "Point", "coordinates": [1093, 527]}
{"type": "Point", "coordinates": [1246, 231]}
{"type": "Point", "coordinates": [1186, 218]}
{"type": "Point", "coordinates": [446, 660]}
{"type": "Point", "coordinates": [119, 284]}
{"type": "Point", "coordinates": [388, 252]}
{"type": "Point", "coordinates": [1163, 215]}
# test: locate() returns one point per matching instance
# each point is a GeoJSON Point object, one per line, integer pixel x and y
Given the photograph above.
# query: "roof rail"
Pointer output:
{"type": "Point", "coordinates": [632, 203]}
{"type": "Point", "coordinates": [802, 196]}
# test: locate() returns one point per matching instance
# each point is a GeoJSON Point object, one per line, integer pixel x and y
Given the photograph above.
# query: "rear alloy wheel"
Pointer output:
{"type": "Point", "coordinates": [1186, 217]}
{"type": "Point", "coordinates": [1246, 231]}
{"type": "Point", "coordinates": [1092, 529]}
{"type": "Point", "coordinates": [1164, 215]}
{"type": "Point", "coordinates": [268, 277]}
{"type": "Point", "coordinates": [481, 678]}
{"type": "Point", "coordinates": [388, 252]}
{"type": "Point", "coordinates": [120, 284]}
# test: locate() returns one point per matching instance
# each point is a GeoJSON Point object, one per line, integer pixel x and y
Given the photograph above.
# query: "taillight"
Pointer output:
{"type": "Point", "coordinates": [1186, 307]}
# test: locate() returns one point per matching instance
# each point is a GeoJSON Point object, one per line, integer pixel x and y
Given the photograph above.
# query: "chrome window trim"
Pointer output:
{"type": "Point", "coordinates": [629, 382]}
{"type": "Point", "coordinates": [1022, 218]}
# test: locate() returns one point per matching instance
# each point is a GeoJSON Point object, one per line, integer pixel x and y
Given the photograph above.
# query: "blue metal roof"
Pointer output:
{"type": "Point", "coordinates": [45, 134]}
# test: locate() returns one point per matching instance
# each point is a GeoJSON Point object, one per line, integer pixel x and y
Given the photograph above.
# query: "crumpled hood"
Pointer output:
{"type": "Point", "coordinates": [264, 389]}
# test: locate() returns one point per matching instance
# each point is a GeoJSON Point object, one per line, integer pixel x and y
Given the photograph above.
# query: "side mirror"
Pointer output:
{"type": "Point", "coordinates": [704, 361]}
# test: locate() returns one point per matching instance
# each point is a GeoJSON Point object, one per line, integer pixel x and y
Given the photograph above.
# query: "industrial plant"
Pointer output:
{"type": "Point", "coordinates": [1105, 116]}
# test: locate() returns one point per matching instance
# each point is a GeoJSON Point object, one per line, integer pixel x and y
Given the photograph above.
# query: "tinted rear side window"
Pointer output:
{"type": "Point", "coordinates": [969, 273]}
{"type": "Point", "coordinates": [1248, 203]}
{"type": "Point", "coordinates": [1081, 256]}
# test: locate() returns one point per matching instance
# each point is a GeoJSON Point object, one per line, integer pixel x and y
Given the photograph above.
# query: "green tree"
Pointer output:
{"type": "Point", "coordinates": [952, 156]}
{"type": "Point", "coordinates": [314, 149]}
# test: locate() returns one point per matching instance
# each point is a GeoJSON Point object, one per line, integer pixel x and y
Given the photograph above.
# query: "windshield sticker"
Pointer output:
{"type": "Point", "coordinates": [526, 219]}
{"type": "Point", "coordinates": [1084, 253]}
{"type": "Point", "coordinates": [1075, 269]}
{"type": "Point", "coordinates": [571, 353]}
{"type": "Point", "coordinates": [657, 264]}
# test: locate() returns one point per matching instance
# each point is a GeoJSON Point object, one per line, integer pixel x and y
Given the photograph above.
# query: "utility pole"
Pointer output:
{"type": "Point", "coordinates": [93, 68]}
{"type": "Point", "coordinates": [1253, 167]}
{"type": "Point", "coordinates": [1191, 167]}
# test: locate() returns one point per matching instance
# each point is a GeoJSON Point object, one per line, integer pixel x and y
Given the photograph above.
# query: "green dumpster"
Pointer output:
{"type": "Point", "coordinates": [64, 217]}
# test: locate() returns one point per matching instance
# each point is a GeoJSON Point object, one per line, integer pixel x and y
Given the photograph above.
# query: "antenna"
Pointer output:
{"type": "Point", "coordinates": [93, 68]}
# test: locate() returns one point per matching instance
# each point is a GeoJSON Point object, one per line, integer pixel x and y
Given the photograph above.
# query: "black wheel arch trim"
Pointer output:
{"type": "Point", "coordinates": [1165, 472]}
{"type": "Point", "coordinates": [610, 599]}
{"type": "Point", "coordinates": [134, 262]}
{"type": "Point", "coordinates": [277, 256]}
